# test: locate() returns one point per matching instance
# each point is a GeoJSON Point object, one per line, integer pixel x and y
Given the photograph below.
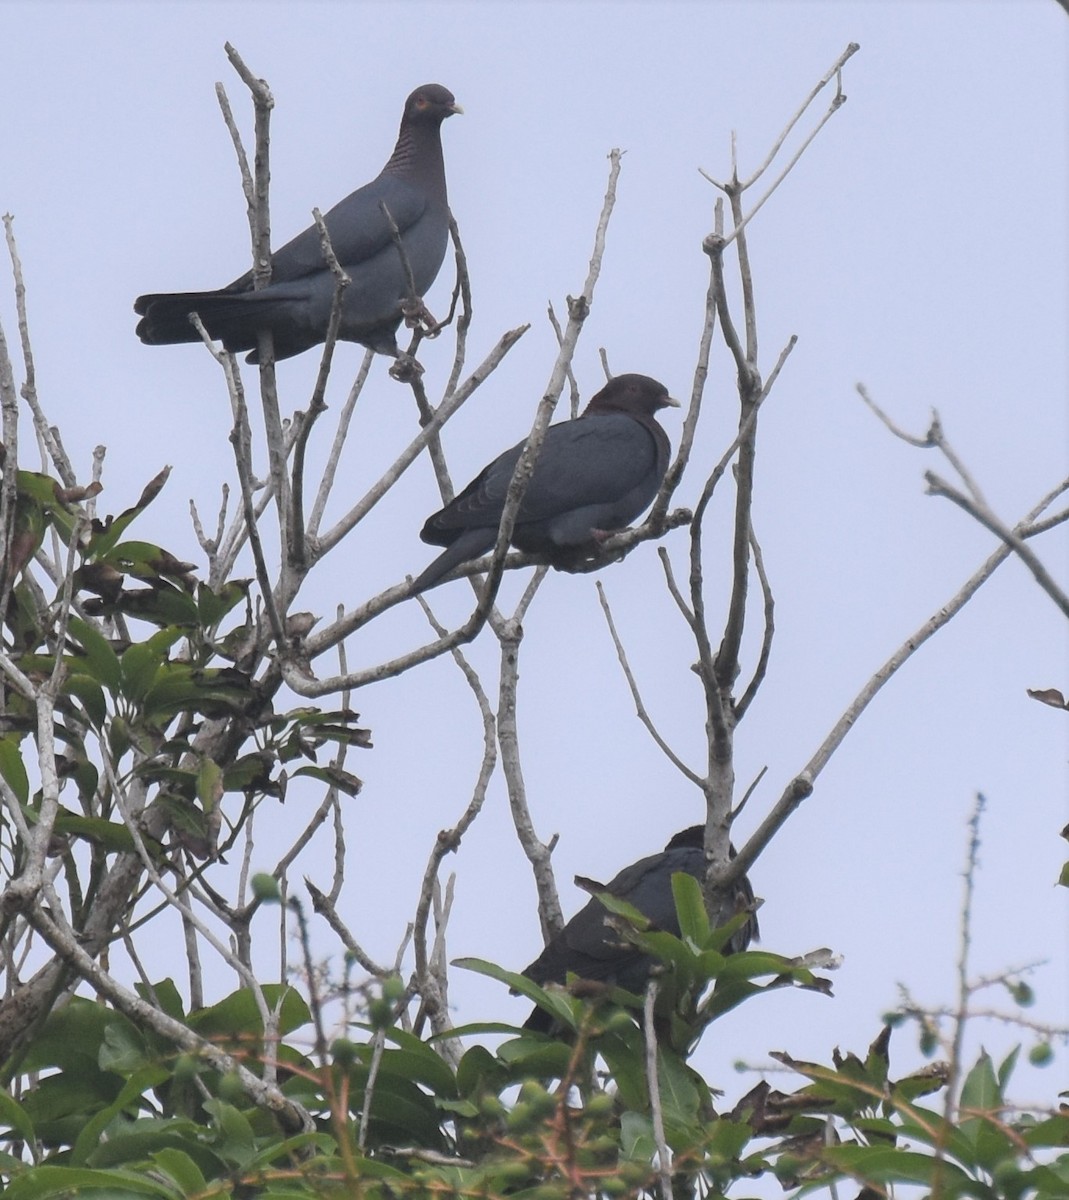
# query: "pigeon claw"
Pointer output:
{"type": "Point", "coordinates": [406, 368]}
{"type": "Point", "coordinates": [418, 316]}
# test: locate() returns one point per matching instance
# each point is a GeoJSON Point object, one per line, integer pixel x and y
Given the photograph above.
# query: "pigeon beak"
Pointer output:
{"type": "Point", "coordinates": [455, 108]}
{"type": "Point", "coordinates": [670, 402]}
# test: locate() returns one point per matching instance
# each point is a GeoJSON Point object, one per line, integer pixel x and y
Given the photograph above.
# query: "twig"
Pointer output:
{"type": "Point", "coordinates": [664, 1155]}
{"type": "Point", "coordinates": [326, 483]}
{"type": "Point", "coordinates": [964, 991]}
{"type": "Point", "coordinates": [448, 840]}
{"type": "Point", "coordinates": [975, 503]}
{"type": "Point", "coordinates": [640, 708]}
{"type": "Point", "coordinates": [316, 405]}
{"type": "Point", "coordinates": [241, 439]}
{"type": "Point", "coordinates": [980, 512]}
{"type": "Point", "coordinates": [837, 102]}
{"type": "Point", "coordinates": [415, 447]}
{"type": "Point", "coordinates": [48, 435]}
{"type": "Point", "coordinates": [923, 443]}
{"type": "Point", "coordinates": [674, 474]}
{"type": "Point", "coordinates": [538, 853]}
{"type": "Point", "coordinates": [255, 187]}
{"type": "Point", "coordinates": [324, 907]}
{"type": "Point", "coordinates": [769, 605]}
{"type": "Point", "coordinates": [461, 292]}
{"type": "Point", "coordinates": [801, 785]}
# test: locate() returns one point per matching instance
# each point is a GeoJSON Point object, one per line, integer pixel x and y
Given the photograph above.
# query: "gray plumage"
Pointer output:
{"type": "Point", "coordinates": [591, 948]}
{"type": "Point", "coordinates": [594, 474]}
{"type": "Point", "coordinates": [295, 306]}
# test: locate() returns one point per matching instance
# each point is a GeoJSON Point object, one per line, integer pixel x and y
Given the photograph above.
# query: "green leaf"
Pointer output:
{"type": "Point", "coordinates": [13, 769]}
{"type": "Point", "coordinates": [181, 1169]}
{"type": "Point", "coordinates": [91, 695]}
{"type": "Point", "coordinates": [1006, 1069]}
{"type": "Point", "coordinates": [690, 908]}
{"type": "Point", "coordinates": [680, 1099]}
{"type": "Point", "coordinates": [165, 996]}
{"type": "Point", "coordinates": [100, 662]}
{"type": "Point", "coordinates": [479, 1071]}
{"type": "Point", "coordinates": [980, 1089]}
{"type": "Point", "coordinates": [237, 1015]}
{"type": "Point", "coordinates": [109, 835]}
{"type": "Point", "coordinates": [239, 1144]}
{"type": "Point", "coordinates": [636, 1137]}
{"type": "Point", "coordinates": [213, 606]}
{"type": "Point", "coordinates": [41, 1182]}
{"type": "Point", "coordinates": [554, 1002]}
{"type": "Point", "coordinates": [415, 1059]}
{"type": "Point", "coordinates": [881, 1164]}
{"type": "Point", "coordinates": [123, 1049]}
{"type": "Point", "coordinates": [106, 535]}
{"type": "Point", "coordinates": [140, 665]}
{"type": "Point", "coordinates": [729, 1139]}
{"type": "Point", "coordinates": [91, 1132]}
{"type": "Point", "coordinates": [344, 781]}
{"type": "Point", "coordinates": [209, 784]}
{"type": "Point", "coordinates": [15, 1117]}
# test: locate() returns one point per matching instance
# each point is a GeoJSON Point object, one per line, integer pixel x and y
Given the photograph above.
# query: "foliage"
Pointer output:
{"type": "Point", "coordinates": [117, 1109]}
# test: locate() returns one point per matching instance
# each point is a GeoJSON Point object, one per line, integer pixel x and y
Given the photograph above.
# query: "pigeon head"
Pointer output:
{"type": "Point", "coordinates": [638, 395]}
{"type": "Point", "coordinates": [430, 104]}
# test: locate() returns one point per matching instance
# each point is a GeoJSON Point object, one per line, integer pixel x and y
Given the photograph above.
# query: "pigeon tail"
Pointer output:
{"type": "Point", "coordinates": [472, 543]}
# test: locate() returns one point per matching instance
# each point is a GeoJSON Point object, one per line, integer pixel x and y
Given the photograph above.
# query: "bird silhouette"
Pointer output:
{"type": "Point", "coordinates": [295, 306]}
{"type": "Point", "coordinates": [594, 474]}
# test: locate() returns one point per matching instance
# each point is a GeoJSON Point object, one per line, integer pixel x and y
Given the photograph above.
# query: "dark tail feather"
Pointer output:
{"type": "Point", "coordinates": [539, 1021]}
{"type": "Point", "coordinates": [470, 544]}
{"type": "Point", "coordinates": [165, 319]}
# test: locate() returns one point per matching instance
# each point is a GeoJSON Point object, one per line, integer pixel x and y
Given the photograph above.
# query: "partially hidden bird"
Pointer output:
{"type": "Point", "coordinates": [594, 474]}
{"type": "Point", "coordinates": [295, 306]}
{"type": "Point", "coordinates": [590, 947]}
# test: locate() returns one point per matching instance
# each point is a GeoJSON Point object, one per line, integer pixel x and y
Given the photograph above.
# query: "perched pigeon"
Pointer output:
{"type": "Point", "coordinates": [594, 474]}
{"type": "Point", "coordinates": [592, 949]}
{"type": "Point", "coordinates": [296, 305]}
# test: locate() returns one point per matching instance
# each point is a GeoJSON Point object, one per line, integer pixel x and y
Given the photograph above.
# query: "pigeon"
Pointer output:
{"type": "Point", "coordinates": [595, 474]}
{"type": "Point", "coordinates": [295, 306]}
{"type": "Point", "coordinates": [591, 948]}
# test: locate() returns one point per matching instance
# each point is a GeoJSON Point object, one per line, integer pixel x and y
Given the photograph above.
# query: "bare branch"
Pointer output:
{"type": "Point", "coordinates": [977, 509]}
{"type": "Point", "coordinates": [664, 1155]}
{"type": "Point", "coordinates": [256, 186]}
{"type": "Point", "coordinates": [145, 1015]}
{"type": "Point", "coordinates": [972, 857]}
{"type": "Point", "coordinates": [924, 443]}
{"type": "Point", "coordinates": [538, 853]}
{"type": "Point", "coordinates": [640, 708]}
{"type": "Point", "coordinates": [770, 629]}
{"type": "Point", "coordinates": [838, 100]}
{"type": "Point", "coordinates": [802, 785]}
{"type": "Point", "coordinates": [326, 483]}
{"type": "Point", "coordinates": [241, 439]}
{"type": "Point", "coordinates": [442, 414]}
{"type": "Point", "coordinates": [448, 840]}
{"type": "Point", "coordinates": [317, 404]}
{"type": "Point", "coordinates": [48, 435]}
